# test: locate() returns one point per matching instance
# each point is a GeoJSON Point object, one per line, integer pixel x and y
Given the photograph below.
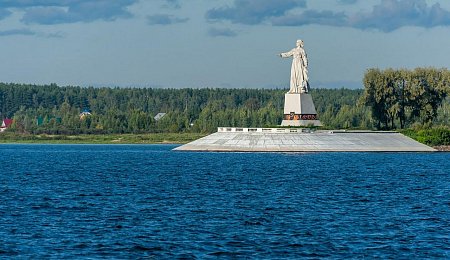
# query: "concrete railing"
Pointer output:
{"type": "Point", "coordinates": [263, 130]}
{"type": "Point", "coordinates": [292, 130]}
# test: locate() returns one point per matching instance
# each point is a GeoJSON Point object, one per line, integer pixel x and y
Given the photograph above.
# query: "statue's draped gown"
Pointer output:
{"type": "Point", "coordinates": [299, 72]}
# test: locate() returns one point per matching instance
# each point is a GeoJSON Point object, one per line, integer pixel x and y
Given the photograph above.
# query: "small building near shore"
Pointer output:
{"type": "Point", "coordinates": [86, 112]}
{"type": "Point", "coordinates": [159, 116]}
{"type": "Point", "coordinates": [6, 123]}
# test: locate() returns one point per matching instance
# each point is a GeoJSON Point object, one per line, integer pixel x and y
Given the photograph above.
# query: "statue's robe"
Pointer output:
{"type": "Point", "coordinates": [299, 72]}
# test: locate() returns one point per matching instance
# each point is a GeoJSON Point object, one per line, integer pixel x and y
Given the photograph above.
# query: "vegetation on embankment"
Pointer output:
{"type": "Point", "coordinates": [438, 137]}
{"type": "Point", "coordinates": [156, 138]}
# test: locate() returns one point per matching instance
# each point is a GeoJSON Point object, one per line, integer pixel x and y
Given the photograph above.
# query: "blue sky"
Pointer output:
{"type": "Point", "coordinates": [216, 43]}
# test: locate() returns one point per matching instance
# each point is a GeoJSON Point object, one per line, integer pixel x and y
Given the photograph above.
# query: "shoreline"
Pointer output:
{"type": "Point", "coordinates": [154, 138]}
{"type": "Point", "coordinates": [442, 148]}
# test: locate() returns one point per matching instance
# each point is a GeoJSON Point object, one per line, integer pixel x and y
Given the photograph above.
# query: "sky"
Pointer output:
{"type": "Point", "coordinates": [216, 43]}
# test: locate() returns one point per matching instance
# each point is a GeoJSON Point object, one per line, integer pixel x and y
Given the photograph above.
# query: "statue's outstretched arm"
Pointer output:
{"type": "Point", "coordinates": [286, 54]}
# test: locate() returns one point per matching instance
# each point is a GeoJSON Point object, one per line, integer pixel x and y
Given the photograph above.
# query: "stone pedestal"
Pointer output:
{"type": "Point", "coordinates": [299, 110]}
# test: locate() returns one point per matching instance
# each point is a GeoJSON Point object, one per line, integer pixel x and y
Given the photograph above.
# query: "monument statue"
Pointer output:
{"type": "Point", "coordinates": [299, 69]}
{"type": "Point", "coordinates": [299, 109]}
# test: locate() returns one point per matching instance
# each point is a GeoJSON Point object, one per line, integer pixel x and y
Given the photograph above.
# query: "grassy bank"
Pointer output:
{"type": "Point", "coordinates": [432, 137]}
{"type": "Point", "coordinates": [158, 138]}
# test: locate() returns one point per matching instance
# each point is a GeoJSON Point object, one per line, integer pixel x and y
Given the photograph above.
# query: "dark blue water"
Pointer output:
{"type": "Point", "coordinates": [133, 201]}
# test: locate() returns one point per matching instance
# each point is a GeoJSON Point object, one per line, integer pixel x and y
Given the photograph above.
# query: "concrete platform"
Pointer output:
{"type": "Point", "coordinates": [303, 140]}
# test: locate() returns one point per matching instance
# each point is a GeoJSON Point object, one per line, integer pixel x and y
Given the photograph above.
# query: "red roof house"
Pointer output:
{"type": "Point", "coordinates": [7, 122]}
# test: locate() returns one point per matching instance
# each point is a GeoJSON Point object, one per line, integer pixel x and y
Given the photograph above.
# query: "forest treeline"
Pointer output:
{"type": "Point", "coordinates": [56, 110]}
{"type": "Point", "coordinates": [401, 98]}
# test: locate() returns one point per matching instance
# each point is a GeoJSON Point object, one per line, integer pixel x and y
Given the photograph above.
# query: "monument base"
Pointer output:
{"type": "Point", "coordinates": [299, 110]}
{"type": "Point", "coordinates": [301, 123]}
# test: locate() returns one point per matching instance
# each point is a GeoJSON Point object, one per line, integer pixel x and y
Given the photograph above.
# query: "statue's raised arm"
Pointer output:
{"type": "Point", "coordinates": [299, 69]}
{"type": "Point", "coordinates": [287, 54]}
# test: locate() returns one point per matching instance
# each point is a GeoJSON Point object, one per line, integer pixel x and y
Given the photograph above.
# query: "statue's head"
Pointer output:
{"type": "Point", "coordinates": [300, 43]}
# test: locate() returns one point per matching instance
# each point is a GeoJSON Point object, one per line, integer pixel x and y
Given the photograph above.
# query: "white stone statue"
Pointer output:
{"type": "Point", "coordinates": [299, 69]}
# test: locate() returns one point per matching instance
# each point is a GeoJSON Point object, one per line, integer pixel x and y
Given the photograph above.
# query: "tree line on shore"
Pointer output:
{"type": "Point", "coordinates": [387, 101]}
{"type": "Point", "coordinates": [400, 98]}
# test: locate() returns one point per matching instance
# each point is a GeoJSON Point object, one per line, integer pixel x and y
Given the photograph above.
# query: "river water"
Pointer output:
{"type": "Point", "coordinates": [137, 201]}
